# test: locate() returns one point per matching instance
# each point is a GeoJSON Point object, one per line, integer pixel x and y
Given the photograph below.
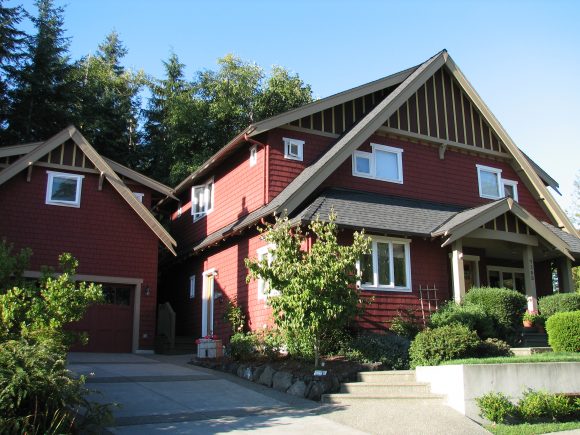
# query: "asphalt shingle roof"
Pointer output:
{"type": "Point", "coordinates": [572, 241]}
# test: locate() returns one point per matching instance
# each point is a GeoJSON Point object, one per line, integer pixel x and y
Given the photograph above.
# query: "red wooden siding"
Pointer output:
{"type": "Point", "coordinates": [105, 235]}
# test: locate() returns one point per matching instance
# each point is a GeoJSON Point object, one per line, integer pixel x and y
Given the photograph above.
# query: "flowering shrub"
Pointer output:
{"type": "Point", "coordinates": [207, 337]}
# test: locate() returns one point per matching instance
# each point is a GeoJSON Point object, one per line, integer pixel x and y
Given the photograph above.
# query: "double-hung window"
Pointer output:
{"type": "Point", "coordinates": [264, 291]}
{"type": "Point", "coordinates": [492, 186]}
{"type": "Point", "coordinates": [383, 163]}
{"type": "Point", "coordinates": [64, 189]}
{"type": "Point", "coordinates": [387, 266]}
{"type": "Point", "coordinates": [293, 149]}
{"type": "Point", "coordinates": [201, 200]}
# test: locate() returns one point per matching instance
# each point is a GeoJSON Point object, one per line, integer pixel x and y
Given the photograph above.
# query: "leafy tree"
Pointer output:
{"type": "Point", "coordinates": [43, 94]}
{"type": "Point", "coordinates": [11, 40]}
{"type": "Point", "coordinates": [317, 292]}
{"type": "Point", "coordinates": [108, 101]}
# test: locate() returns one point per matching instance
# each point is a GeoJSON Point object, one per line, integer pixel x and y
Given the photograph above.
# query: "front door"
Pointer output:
{"type": "Point", "coordinates": [207, 303]}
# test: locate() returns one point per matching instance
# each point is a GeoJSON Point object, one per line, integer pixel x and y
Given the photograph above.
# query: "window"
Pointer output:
{"type": "Point", "coordinates": [64, 189]}
{"type": "Point", "coordinates": [139, 196]}
{"type": "Point", "coordinates": [388, 266]}
{"type": "Point", "coordinates": [384, 163]}
{"type": "Point", "coordinates": [201, 200]}
{"type": "Point", "coordinates": [192, 287]}
{"type": "Point", "coordinates": [253, 155]}
{"type": "Point", "coordinates": [293, 149]}
{"type": "Point", "coordinates": [489, 182]}
{"type": "Point", "coordinates": [510, 189]}
{"type": "Point", "coordinates": [508, 277]}
{"type": "Point", "coordinates": [263, 289]}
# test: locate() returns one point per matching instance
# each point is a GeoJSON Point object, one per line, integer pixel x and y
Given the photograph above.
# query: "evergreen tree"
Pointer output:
{"type": "Point", "coordinates": [108, 102]}
{"type": "Point", "coordinates": [11, 40]}
{"type": "Point", "coordinates": [43, 94]}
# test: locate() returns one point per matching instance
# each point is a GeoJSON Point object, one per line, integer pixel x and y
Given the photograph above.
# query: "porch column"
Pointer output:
{"type": "Point", "coordinates": [530, 279]}
{"type": "Point", "coordinates": [457, 271]}
{"type": "Point", "coordinates": [567, 282]}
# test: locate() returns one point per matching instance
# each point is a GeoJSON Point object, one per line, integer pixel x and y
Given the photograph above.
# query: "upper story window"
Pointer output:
{"type": "Point", "coordinates": [264, 290]}
{"type": "Point", "coordinates": [64, 189]}
{"type": "Point", "coordinates": [383, 163]}
{"type": "Point", "coordinates": [201, 200]}
{"type": "Point", "coordinates": [492, 186]}
{"type": "Point", "coordinates": [388, 266]}
{"type": "Point", "coordinates": [253, 155]}
{"type": "Point", "coordinates": [139, 196]}
{"type": "Point", "coordinates": [293, 149]}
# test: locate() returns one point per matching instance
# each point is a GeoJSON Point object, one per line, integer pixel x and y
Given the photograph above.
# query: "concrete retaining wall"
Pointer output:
{"type": "Point", "coordinates": [463, 383]}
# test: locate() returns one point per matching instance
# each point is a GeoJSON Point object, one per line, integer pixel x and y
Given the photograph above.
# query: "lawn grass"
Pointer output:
{"type": "Point", "coordinates": [531, 429]}
{"type": "Point", "coordinates": [536, 358]}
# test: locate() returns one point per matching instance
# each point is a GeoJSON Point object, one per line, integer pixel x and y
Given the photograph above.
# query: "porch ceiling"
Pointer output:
{"type": "Point", "coordinates": [506, 250]}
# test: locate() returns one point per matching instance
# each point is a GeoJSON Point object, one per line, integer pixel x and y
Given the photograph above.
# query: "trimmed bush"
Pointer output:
{"type": "Point", "coordinates": [433, 346]}
{"type": "Point", "coordinates": [542, 406]}
{"type": "Point", "coordinates": [492, 347]}
{"type": "Point", "coordinates": [470, 315]}
{"type": "Point", "coordinates": [564, 331]}
{"type": "Point", "coordinates": [505, 306]}
{"type": "Point", "coordinates": [392, 351]}
{"type": "Point", "coordinates": [558, 303]}
{"type": "Point", "coordinates": [496, 407]}
{"type": "Point", "coordinates": [242, 346]}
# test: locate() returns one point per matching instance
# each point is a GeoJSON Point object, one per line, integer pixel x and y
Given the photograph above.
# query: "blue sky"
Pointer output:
{"type": "Point", "coordinates": [523, 57]}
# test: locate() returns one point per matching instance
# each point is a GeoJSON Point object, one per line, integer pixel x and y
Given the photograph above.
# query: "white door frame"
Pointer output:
{"type": "Point", "coordinates": [207, 297]}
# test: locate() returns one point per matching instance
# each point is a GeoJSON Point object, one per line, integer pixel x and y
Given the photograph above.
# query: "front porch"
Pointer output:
{"type": "Point", "coordinates": [501, 245]}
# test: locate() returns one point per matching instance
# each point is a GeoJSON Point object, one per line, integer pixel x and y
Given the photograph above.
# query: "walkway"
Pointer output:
{"type": "Point", "coordinates": [164, 394]}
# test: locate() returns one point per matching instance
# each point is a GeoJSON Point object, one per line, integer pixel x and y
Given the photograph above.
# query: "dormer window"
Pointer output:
{"type": "Point", "coordinates": [64, 189]}
{"type": "Point", "coordinates": [293, 149]}
{"type": "Point", "coordinates": [510, 189]}
{"type": "Point", "coordinates": [201, 200]}
{"type": "Point", "coordinates": [489, 182]}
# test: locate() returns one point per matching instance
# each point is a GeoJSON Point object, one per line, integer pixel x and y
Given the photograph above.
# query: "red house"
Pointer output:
{"type": "Point", "coordinates": [62, 196]}
{"type": "Point", "coordinates": [416, 159]}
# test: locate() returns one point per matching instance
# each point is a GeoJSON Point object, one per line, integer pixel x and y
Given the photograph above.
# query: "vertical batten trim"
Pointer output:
{"type": "Point", "coordinates": [343, 117]}
{"type": "Point", "coordinates": [417, 107]}
{"type": "Point", "coordinates": [408, 117]}
{"type": "Point", "coordinates": [62, 154]}
{"type": "Point", "coordinates": [399, 118]}
{"type": "Point", "coordinates": [74, 155]}
{"type": "Point", "coordinates": [454, 112]}
{"type": "Point", "coordinates": [333, 121]}
{"type": "Point", "coordinates": [481, 131]}
{"type": "Point", "coordinates": [436, 106]}
{"type": "Point", "coordinates": [490, 138]}
{"type": "Point", "coordinates": [444, 105]}
{"type": "Point", "coordinates": [472, 124]}
{"type": "Point", "coordinates": [427, 111]}
{"type": "Point", "coordinates": [463, 116]}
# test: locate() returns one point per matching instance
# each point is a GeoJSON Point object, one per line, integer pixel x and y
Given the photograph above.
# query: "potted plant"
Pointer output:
{"type": "Point", "coordinates": [209, 346]}
{"type": "Point", "coordinates": [530, 317]}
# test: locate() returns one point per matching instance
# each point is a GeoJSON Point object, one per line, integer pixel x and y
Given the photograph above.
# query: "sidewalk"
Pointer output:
{"type": "Point", "coordinates": [161, 394]}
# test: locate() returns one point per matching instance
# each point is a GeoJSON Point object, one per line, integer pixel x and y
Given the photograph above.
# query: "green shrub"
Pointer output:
{"type": "Point", "coordinates": [470, 315]}
{"type": "Point", "coordinates": [269, 342]}
{"type": "Point", "coordinates": [492, 347]}
{"type": "Point", "coordinates": [242, 346]}
{"type": "Point", "coordinates": [558, 303]}
{"type": "Point", "coordinates": [505, 306]}
{"type": "Point", "coordinates": [406, 324]}
{"type": "Point", "coordinates": [37, 393]}
{"type": "Point", "coordinates": [433, 346]}
{"type": "Point", "coordinates": [496, 407]}
{"type": "Point", "coordinates": [564, 331]}
{"type": "Point", "coordinates": [543, 406]}
{"type": "Point", "coordinates": [392, 351]}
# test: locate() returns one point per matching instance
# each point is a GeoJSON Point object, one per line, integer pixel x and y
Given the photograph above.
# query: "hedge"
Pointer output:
{"type": "Point", "coordinates": [471, 315]}
{"type": "Point", "coordinates": [564, 331]}
{"type": "Point", "coordinates": [558, 303]}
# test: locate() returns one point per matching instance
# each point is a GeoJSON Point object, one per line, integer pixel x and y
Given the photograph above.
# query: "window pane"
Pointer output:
{"type": "Point", "coordinates": [494, 278]}
{"type": "Point", "coordinates": [64, 189]}
{"type": "Point", "coordinates": [508, 280]}
{"type": "Point", "coordinates": [123, 296]}
{"type": "Point", "coordinates": [386, 165]}
{"type": "Point", "coordinates": [489, 183]}
{"type": "Point", "coordinates": [384, 272]}
{"type": "Point", "coordinates": [399, 265]}
{"type": "Point", "coordinates": [363, 165]}
{"type": "Point", "coordinates": [508, 190]}
{"type": "Point", "coordinates": [208, 196]}
{"type": "Point", "coordinates": [520, 282]}
{"type": "Point", "coordinates": [366, 268]}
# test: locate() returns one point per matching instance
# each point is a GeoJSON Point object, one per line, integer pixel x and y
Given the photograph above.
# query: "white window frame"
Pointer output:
{"type": "Point", "coordinates": [262, 252]}
{"type": "Point", "coordinates": [497, 172]}
{"type": "Point", "coordinates": [375, 260]}
{"type": "Point", "coordinates": [288, 143]}
{"type": "Point", "coordinates": [253, 155]}
{"type": "Point", "coordinates": [398, 152]}
{"type": "Point", "coordinates": [139, 196]}
{"type": "Point", "coordinates": [79, 180]}
{"type": "Point", "coordinates": [192, 287]}
{"type": "Point", "coordinates": [514, 185]}
{"type": "Point", "coordinates": [208, 197]}
{"type": "Point", "coordinates": [503, 269]}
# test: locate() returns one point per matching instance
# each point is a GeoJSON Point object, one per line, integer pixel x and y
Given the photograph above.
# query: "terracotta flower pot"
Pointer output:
{"type": "Point", "coordinates": [527, 324]}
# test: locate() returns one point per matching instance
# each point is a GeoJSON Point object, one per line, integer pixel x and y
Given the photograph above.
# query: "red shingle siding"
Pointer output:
{"type": "Point", "coordinates": [238, 190]}
{"type": "Point", "coordinates": [105, 235]}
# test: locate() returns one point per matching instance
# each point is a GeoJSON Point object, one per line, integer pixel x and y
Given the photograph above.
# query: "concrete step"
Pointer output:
{"type": "Point", "coordinates": [375, 389]}
{"type": "Point", "coordinates": [387, 377]}
{"type": "Point", "coordinates": [392, 399]}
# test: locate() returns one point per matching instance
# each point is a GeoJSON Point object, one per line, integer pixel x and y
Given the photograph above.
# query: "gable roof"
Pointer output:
{"type": "Point", "coordinates": [41, 149]}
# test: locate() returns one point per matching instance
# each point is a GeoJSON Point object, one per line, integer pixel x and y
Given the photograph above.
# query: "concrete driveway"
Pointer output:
{"type": "Point", "coordinates": [164, 394]}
